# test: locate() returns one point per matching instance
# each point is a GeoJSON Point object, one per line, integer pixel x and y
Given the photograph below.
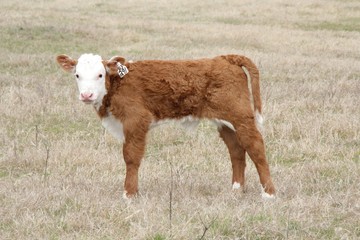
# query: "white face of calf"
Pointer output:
{"type": "Point", "coordinates": [90, 75]}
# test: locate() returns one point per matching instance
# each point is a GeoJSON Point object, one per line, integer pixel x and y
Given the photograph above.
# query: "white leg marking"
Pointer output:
{"type": "Point", "coordinates": [236, 186]}
{"type": "Point", "coordinates": [126, 198]}
{"type": "Point", "coordinates": [266, 196]}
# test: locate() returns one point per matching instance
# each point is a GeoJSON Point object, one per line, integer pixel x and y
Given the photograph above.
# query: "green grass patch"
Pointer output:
{"type": "Point", "coordinates": [157, 236]}
{"type": "Point", "coordinates": [35, 39]}
{"type": "Point", "coordinates": [6, 225]}
{"type": "Point", "coordinates": [4, 173]}
{"type": "Point", "coordinates": [356, 157]}
{"type": "Point", "coordinates": [291, 158]}
{"type": "Point", "coordinates": [258, 218]}
{"type": "Point", "coordinates": [232, 20]}
{"type": "Point", "coordinates": [349, 25]}
{"type": "Point", "coordinates": [223, 227]}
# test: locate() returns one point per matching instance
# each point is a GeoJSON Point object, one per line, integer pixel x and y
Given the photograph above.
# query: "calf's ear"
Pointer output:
{"type": "Point", "coordinates": [111, 65]}
{"type": "Point", "coordinates": [66, 63]}
{"type": "Point", "coordinates": [118, 59]}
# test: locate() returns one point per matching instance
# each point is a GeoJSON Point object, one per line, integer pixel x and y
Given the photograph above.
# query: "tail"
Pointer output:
{"type": "Point", "coordinates": [243, 61]}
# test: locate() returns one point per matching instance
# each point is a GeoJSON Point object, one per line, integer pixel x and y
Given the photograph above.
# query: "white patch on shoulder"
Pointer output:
{"type": "Point", "coordinates": [113, 126]}
{"type": "Point", "coordinates": [219, 123]}
{"type": "Point", "coordinates": [236, 186]}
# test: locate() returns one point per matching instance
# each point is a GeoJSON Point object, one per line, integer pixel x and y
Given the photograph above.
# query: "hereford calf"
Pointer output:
{"type": "Point", "coordinates": [132, 97]}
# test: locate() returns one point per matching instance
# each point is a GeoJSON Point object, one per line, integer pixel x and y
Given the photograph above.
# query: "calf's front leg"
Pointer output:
{"type": "Point", "coordinates": [133, 151]}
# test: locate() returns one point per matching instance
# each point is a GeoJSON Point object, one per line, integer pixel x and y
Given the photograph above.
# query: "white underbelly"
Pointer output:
{"type": "Point", "coordinates": [190, 123]}
{"type": "Point", "coordinates": [115, 127]}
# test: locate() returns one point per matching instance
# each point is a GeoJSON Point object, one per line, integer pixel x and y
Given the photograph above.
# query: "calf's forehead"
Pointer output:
{"type": "Point", "coordinates": [89, 64]}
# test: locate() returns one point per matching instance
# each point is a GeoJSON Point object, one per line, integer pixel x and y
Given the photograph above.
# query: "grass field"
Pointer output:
{"type": "Point", "coordinates": [61, 175]}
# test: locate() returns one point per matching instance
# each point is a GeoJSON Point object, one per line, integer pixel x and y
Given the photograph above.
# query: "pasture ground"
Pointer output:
{"type": "Point", "coordinates": [61, 175]}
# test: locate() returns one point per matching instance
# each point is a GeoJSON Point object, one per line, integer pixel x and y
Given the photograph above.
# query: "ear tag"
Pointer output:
{"type": "Point", "coordinates": [122, 70]}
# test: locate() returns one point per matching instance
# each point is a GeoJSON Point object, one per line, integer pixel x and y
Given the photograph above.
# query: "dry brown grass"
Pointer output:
{"type": "Point", "coordinates": [61, 176]}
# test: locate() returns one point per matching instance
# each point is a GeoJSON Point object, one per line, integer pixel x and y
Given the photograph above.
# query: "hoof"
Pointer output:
{"type": "Point", "coordinates": [236, 186]}
{"type": "Point", "coordinates": [267, 196]}
{"type": "Point", "coordinates": [128, 197]}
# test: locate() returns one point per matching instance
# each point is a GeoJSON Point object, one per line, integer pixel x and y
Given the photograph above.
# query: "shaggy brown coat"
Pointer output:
{"type": "Point", "coordinates": [203, 89]}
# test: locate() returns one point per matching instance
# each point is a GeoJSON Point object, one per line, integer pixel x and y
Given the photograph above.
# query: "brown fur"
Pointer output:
{"type": "Point", "coordinates": [208, 88]}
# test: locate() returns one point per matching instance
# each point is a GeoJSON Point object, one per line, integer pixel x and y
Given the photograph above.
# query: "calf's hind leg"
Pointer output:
{"type": "Point", "coordinates": [237, 156]}
{"type": "Point", "coordinates": [251, 140]}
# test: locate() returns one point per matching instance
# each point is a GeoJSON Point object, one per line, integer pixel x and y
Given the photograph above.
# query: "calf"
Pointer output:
{"type": "Point", "coordinates": [132, 97]}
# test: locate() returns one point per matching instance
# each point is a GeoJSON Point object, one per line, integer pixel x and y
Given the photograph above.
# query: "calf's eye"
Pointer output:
{"type": "Point", "coordinates": [77, 75]}
{"type": "Point", "coordinates": [100, 75]}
